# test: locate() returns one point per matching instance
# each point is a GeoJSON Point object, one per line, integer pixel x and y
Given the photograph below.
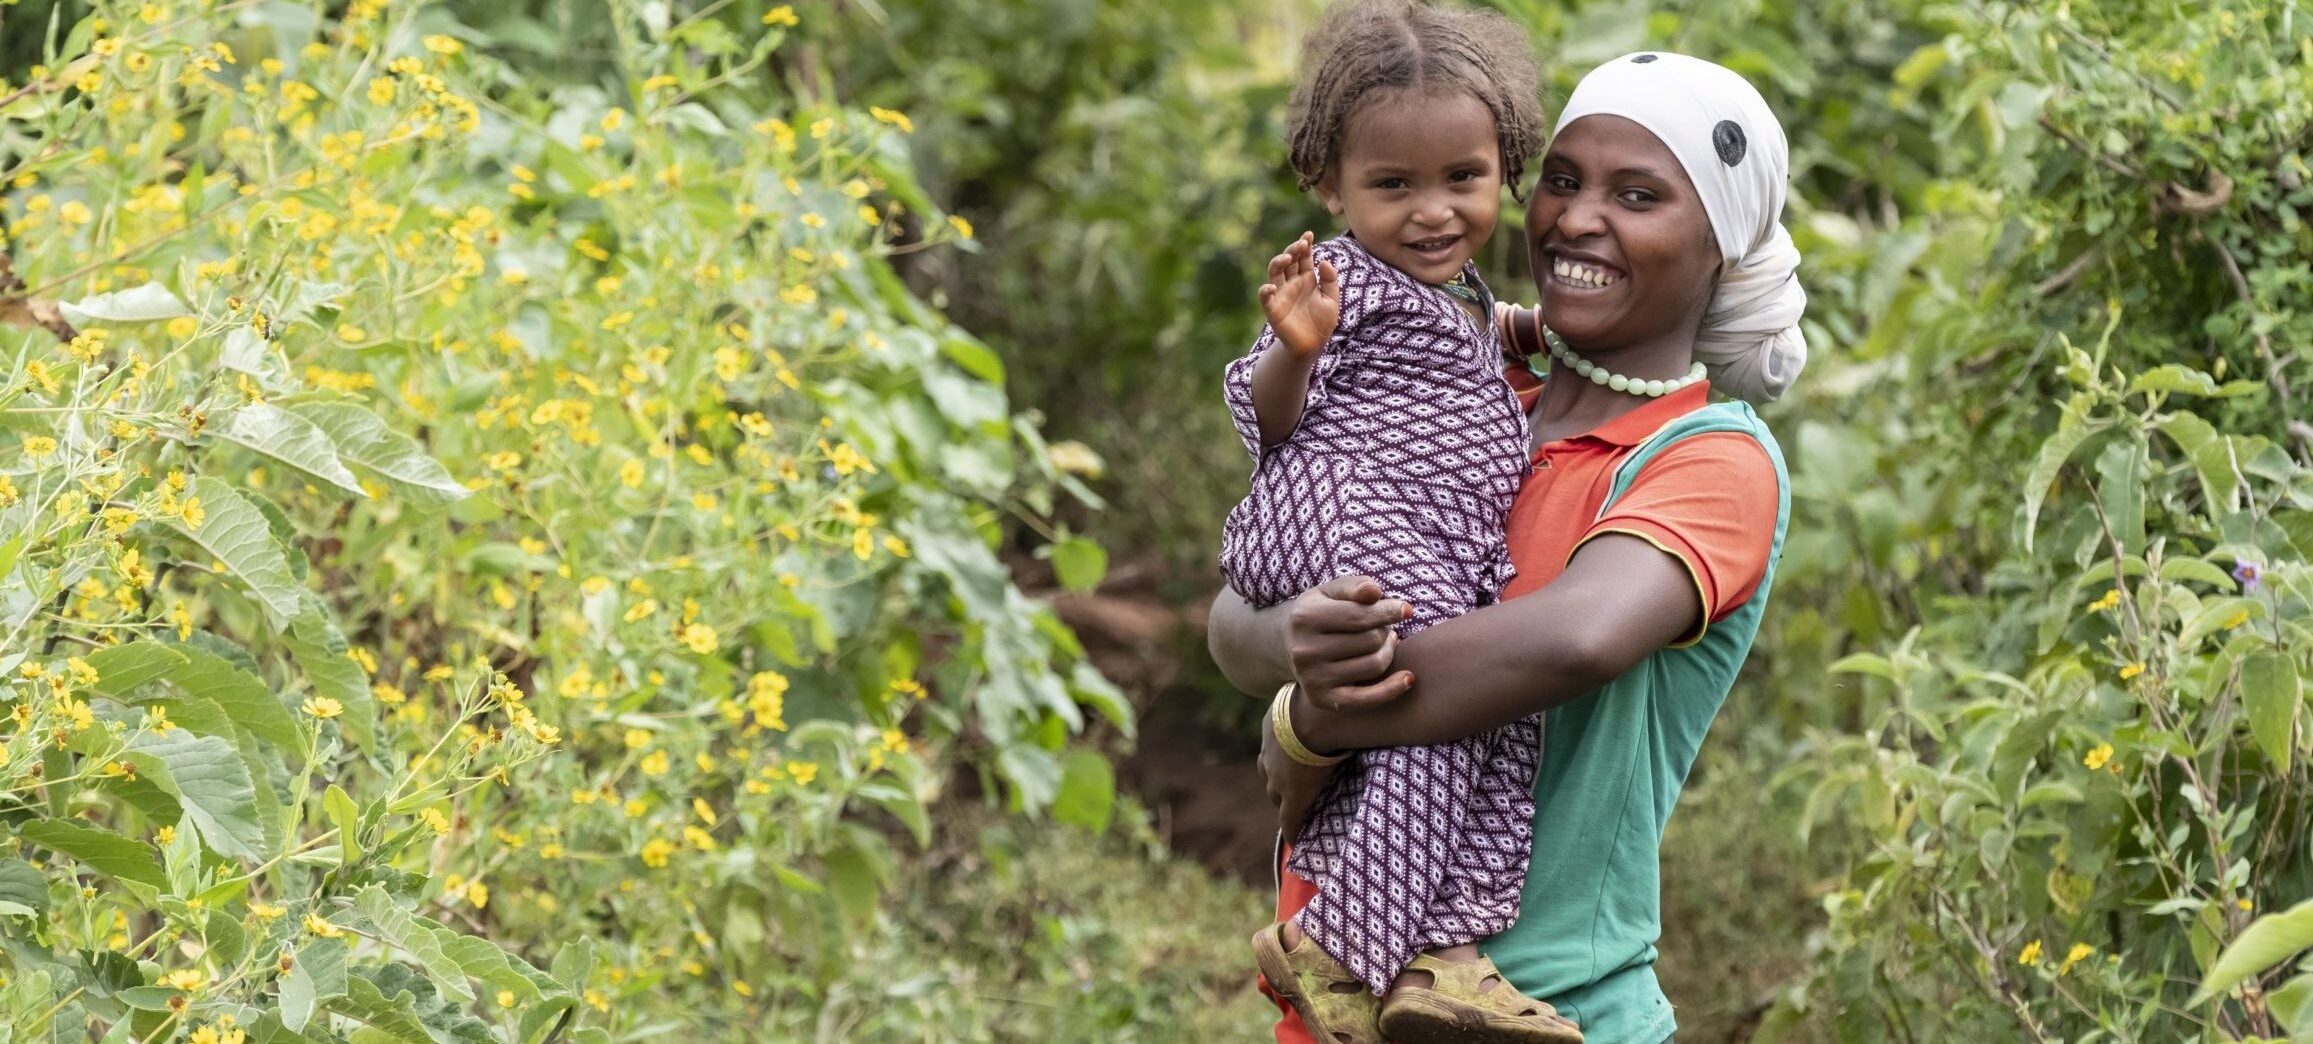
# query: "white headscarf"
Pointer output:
{"type": "Point", "coordinates": [1733, 149]}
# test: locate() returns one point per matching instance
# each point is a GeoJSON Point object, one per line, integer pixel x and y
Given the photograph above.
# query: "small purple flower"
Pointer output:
{"type": "Point", "coordinates": [2248, 573]}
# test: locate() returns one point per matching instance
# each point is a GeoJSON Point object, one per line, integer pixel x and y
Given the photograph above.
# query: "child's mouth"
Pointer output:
{"type": "Point", "coordinates": [1435, 250]}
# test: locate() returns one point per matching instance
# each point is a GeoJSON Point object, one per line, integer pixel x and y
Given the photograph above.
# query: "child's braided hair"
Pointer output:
{"type": "Point", "coordinates": [1364, 46]}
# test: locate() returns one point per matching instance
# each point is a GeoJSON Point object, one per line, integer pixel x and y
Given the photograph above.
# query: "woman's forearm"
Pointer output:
{"type": "Point", "coordinates": [1619, 601]}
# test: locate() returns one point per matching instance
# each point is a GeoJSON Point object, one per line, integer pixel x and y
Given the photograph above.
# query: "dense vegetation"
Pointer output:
{"type": "Point", "coordinates": [504, 529]}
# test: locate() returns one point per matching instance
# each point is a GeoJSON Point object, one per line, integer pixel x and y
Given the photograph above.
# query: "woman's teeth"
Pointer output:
{"type": "Point", "coordinates": [1584, 275]}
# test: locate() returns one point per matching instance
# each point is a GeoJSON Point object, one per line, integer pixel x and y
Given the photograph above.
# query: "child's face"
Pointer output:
{"type": "Point", "coordinates": [1419, 181]}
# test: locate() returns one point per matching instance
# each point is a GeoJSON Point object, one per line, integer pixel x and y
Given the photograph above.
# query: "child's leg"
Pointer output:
{"type": "Point", "coordinates": [1478, 895]}
{"type": "Point", "coordinates": [1383, 845]}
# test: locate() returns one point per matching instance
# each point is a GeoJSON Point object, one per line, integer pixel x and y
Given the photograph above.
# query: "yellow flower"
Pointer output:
{"type": "Point", "coordinates": [183, 326]}
{"type": "Point", "coordinates": [803, 771]}
{"type": "Point", "coordinates": [2132, 670]}
{"type": "Point", "coordinates": [323, 707]}
{"type": "Point", "coordinates": [963, 228]}
{"type": "Point", "coordinates": [39, 446]}
{"type": "Point", "coordinates": [2111, 598]}
{"type": "Point", "coordinates": [2031, 954]}
{"type": "Point", "coordinates": [2237, 619]}
{"type": "Point", "coordinates": [267, 911]}
{"type": "Point", "coordinates": [2079, 952]}
{"type": "Point", "coordinates": [703, 810]}
{"type": "Point", "coordinates": [655, 764]}
{"type": "Point", "coordinates": [893, 117]}
{"type": "Point", "coordinates": [700, 638]}
{"type": "Point", "coordinates": [478, 894]}
{"type": "Point", "coordinates": [784, 14]}
{"type": "Point", "coordinates": [183, 979]}
{"type": "Point", "coordinates": [435, 820]}
{"type": "Point", "coordinates": [440, 44]}
{"type": "Point", "coordinates": [2098, 756]}
{"type": "Point", "coordinates": [381, 90]}
{"type": "Point", "coordinates": [315, 924]}
{"type": "Point", "coordinates": [655, 852]}
{"type": "Point", "coordinates": [165, 835]}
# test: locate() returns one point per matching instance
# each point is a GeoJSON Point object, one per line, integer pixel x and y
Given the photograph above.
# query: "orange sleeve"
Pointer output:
{"type": "Point", "coordinates": [1708, 501]}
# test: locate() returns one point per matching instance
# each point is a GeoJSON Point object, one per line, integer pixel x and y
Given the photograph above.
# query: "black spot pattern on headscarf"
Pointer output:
{"type": "Point", "coordinates": [1728, 138]}
{"type": "Point", "coordinates": [1644, 58]}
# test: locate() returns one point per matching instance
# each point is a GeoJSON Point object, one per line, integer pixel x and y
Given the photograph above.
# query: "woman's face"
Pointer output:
{"type": "Point", "coordinates": [1621, 246]}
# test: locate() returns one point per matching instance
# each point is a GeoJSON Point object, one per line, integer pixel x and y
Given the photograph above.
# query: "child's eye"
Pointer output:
{"type": "Point", "coordinates": [1561, 183]}
{"type": "Point", "coordinates": [1391, 184]}
{"type": "Point", "coordinates": [1465, 175]}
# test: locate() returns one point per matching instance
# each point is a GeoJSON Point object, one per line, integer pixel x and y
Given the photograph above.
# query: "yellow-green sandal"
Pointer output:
{"type": "Point", "coordinates": [1469, 1002]}
{"type": "Point", "coordinates": [1335, 1006]}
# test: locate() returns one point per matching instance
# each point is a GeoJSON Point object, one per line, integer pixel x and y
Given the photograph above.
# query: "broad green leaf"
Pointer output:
{"type": "Point", "coordinates": [396, 927]}
{"type": "Point", "coordinates": [320, 648]}
{"type": "Point", "coordinates": [394, 1018]}
{"type": "Point", "coordinates": [2198, 571]}
{"type": "Point", "coordinates": [1087, 791]}
{"type": "Point", "coordinates": [137, 304]}
{"type": "Point", "coordinates": [316, 975]}
{"type": "Point", "coordinates": [9, 550]}
{"type": "Point", "coordinates": [975, 358]}
{"type": "Point", "coordinates": [1079, 563]}
{"type": "Point", "coordinates": [236, 534]}
{"type": "Point", "coordinates": [2265, 943]}
{"type": "Point", "coordinates": [23, 888]}
{"type": "Point", "coordinates": [101, 850]}
{"type": "Point", "coordinates": [2271, 692]}
{"type": "Point", "coordinates": [338, 806]}
{"type": "Point", "coordinates": [2212, 459]}
{"type": "Point", "coordinates": [2175, 379]}
{"type": "Point", "coordinates": [209, 780]}
{"type": "Point", "coordinates": [289, 438]}
{"type": "Point", "coordinates": [245, 701]}
{"type": "Point", "coordinates": [364, 441]}
{"type": "Point", "coordinates": [2053, 455]}
{"type": "Point", "coordinates": [121, 668]}
{"type": "Point", "coordinates": [2120, 491]}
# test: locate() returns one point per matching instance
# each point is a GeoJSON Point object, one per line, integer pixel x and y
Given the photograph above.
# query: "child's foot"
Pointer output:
{"type": "Point", "coordinates": [1332, 1003]}
{"type": "Point", "coordinates": [1467, 1001]}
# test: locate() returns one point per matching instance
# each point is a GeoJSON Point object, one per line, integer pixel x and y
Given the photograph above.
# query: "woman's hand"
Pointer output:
{"type": "Point", "coordinates": [1339, 640]}
{"type": "Point", "coordinates": [1292, 786]}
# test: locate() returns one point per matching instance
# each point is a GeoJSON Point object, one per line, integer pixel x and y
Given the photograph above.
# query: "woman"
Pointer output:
{"type": "Point", "coordinates": [1644, 536]}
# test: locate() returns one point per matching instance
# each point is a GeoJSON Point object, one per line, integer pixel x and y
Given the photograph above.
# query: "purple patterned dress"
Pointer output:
{"type": "Point", "coordinates": [1410, 448]}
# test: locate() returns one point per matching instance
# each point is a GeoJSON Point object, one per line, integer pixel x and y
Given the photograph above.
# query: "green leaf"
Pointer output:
{"type": "Point", "coordinates": [2271, 692]}
{"type": "Point", "coordinates": [975, 358]}
{"type": "Point", "coordinates": [2120, 491]}
{"type": "Point", "coordinates": [366, 442]}
{"type": "Point", "coordinates": [137, 304]}
{"type": "Point", "coordinates": [236, 534]}
{"type": "Point", "coordinates": [320, 648]}
{"type": "Point", "coordinates": [101, 850]}
{"type": "Point", "coordinates": [2053, 455]}
{"type": "Point", "coordinates": [23, 888]}
{"type": "Point", "coordinates": [316, 975]}
{"type": "Point", "coordinates": [1079, 563]}
{"type": "Point", "coordinates": [2273, 938]}
{"type": "Point", "coordinates": [209, 780]}
{"type": "Point", "coordinates": [243, 700]}
{"type": "Point", "coordinates": [396, 927]}
{"type": "Point", "coordinates": [2175, 379]}
{"type": "Point", "coordinates": [289, 438]}
{"type": "Point", "coordinates": [2212, 459]}
{"type": "Point", "coordinates": [394, 1018]}
{"type": "Point", "coordinates": [1087, 791]}
{"type": "Point", "coordinates": [338, 806]}
{"type": "Point", "coordinates": [121, 668]}
{"type": "Point", "coordinates": [9, 550]}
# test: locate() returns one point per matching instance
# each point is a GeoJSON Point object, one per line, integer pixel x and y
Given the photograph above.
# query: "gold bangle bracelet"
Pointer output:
{"type": "Point", "coordinates": [1281, 724]}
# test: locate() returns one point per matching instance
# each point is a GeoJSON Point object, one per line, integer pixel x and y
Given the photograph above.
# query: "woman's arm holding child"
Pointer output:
{"type": "Point", "coordinates": [1302, 300]}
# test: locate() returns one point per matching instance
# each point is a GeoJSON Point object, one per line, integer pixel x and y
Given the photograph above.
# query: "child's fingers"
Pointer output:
{"type": "Point", "coordinates": [1328, 280]}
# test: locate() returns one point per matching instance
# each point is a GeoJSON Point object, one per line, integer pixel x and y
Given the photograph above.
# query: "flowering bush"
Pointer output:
{"type": "Point", "coordinates": [481, 559]}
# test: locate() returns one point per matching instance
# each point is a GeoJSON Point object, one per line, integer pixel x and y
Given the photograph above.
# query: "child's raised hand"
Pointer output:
{"type": "Point", "coordinates": [1302, 298]}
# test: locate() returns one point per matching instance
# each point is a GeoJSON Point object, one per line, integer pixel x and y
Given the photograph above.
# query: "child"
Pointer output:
{"type": "Point", "coordinates": [1387, 443]}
